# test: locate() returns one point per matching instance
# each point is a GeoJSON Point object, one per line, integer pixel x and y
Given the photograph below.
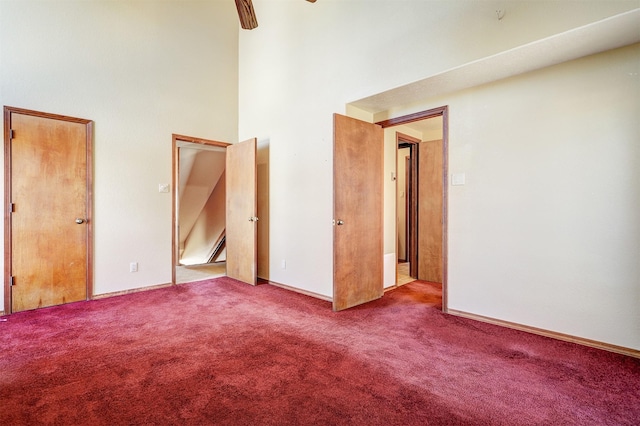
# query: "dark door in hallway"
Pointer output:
{"type": "Point", "coordinates": [430, 210]}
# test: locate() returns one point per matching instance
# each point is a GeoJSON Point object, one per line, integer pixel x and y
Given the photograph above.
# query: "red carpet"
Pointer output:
{"type": "Point", "coordinates": [220, 352]}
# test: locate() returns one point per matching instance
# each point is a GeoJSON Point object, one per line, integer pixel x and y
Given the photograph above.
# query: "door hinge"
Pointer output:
{"type": "Point", "coordinates": [10, 134]}
{"type": "Point", "coordinates": [12, 208]}
{"type": "Point", "coordinates": [11, 281]}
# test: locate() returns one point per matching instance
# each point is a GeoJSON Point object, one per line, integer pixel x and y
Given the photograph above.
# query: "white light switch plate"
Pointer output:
{"type": "Point", "coordinates": [163, 187]}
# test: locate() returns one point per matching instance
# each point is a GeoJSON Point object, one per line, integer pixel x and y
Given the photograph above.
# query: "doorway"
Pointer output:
{"type": "Point", "coordinates": [48, 209]}
{"type": "Point", "coordinates": [199, 237]}
{"type": "Point", "coordinates": [426, 201]}
{"type": "Point", "coordinates": [224, 199]}
{"type": "Point", "coordinates": [407, 208]}
{"type": "Point", "coordinates": [358, 207]}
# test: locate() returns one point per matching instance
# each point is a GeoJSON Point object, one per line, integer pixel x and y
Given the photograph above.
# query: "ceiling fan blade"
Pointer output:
{"type": "Point", "coordinates": [247, 15]}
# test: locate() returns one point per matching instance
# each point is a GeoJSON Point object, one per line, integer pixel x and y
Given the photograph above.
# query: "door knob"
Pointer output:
{"type": "Point", "coordinates": [339, 222]}
{"type": "Point", "coordinates": [79, 221]}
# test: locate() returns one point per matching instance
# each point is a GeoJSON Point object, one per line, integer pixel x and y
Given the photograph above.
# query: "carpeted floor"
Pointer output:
{"type": "Point", "coordinates": [225, 353]}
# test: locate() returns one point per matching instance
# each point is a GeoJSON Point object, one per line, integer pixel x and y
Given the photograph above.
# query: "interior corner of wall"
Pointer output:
{"type": "Point", "coordinates": [381, 116]}
{"type": "Point", "coordinates": [359, 113]}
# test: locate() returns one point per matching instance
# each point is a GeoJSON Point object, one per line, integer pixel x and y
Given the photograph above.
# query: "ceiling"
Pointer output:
{"type": "Point", "coordinates": [611, 33]}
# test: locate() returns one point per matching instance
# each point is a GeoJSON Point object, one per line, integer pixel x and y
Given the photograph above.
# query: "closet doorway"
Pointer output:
{"type": "Point", "coordinates": [199, 236]}
{"type": "Point", "coordinates": [223, 196]}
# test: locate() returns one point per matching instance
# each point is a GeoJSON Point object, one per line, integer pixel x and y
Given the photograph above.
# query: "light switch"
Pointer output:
{"type": "Point", "coordinates": [163, 187]}
{"type": "Point", "coordinates": [457, 179]}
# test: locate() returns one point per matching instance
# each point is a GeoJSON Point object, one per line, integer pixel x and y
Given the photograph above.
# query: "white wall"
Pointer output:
{"type": "Point", "coordinates": [200, 244]}
{"type": "Point", "coordinates": [200, 171]}
{"type": "Point", "coordinates": [546, 231]}
{"type": "Point", "coordinates": [141, 70]}
{"type": "Point", "coordinates": [306, 61]}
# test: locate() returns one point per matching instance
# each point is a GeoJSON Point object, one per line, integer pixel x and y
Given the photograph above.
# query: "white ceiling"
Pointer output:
{"type": "Point", "coordinates": [616, 31]}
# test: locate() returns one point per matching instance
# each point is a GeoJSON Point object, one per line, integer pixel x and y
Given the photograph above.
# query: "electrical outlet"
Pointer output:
{"type": "Point", "coordinates": [284, 264]}
{"type": "Point", "coordinates": [133, 267]}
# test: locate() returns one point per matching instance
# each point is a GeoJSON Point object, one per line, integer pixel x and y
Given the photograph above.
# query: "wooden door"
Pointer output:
{"type": "Point", "coordinates": [47, 168]}
{"type": "Point", "coordinates": [241, 220]}
{"type": "Point", "coordinates": [358, 212]}
{"type": "Point", "coordinates": [430, 189]}
{"type": "Point", "coordinates": [407, 209]}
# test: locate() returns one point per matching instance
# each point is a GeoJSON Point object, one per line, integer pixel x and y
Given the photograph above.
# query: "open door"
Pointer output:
{"type": "Point", "coordinates": [241, 201]}
{"type": "Point", "coordinates": [358, 157]}
{"type": "Point", "coordinates": [430, 218]}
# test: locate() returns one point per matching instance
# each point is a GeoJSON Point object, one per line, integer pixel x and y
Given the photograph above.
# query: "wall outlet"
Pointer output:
{"type": "Point", "coordinates": [284, 264]}
{"type": "Point", "coordinates": [133, 267]}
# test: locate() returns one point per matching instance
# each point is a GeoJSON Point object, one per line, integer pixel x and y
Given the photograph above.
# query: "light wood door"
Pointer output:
{"type": "Point", "coordinates": [49, 210]}
{"type": "Point", "coordinates": [241, 220]}
{"type": "Point", "coordinates": [430, 211]}
{"type": "Point", "coordinates": [358, 212]}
